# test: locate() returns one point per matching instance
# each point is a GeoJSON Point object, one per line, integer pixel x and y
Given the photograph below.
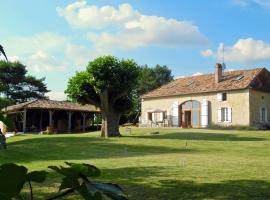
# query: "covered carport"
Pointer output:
{"type": "Point", "coordinates": [57, 116]}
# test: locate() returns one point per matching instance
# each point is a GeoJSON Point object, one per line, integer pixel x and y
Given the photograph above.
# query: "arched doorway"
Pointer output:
{"type": "Point", "coordinates": [190, 113]}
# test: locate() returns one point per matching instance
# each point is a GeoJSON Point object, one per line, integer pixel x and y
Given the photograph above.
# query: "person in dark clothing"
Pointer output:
{"type": "Point", "coordinates": [3, 140]}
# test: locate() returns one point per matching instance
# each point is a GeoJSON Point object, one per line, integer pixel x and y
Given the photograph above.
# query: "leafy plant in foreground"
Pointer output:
{"type": "Point", "coordinates": [13, 178]}
{"type": "Point", "coordinates": [76, 179]}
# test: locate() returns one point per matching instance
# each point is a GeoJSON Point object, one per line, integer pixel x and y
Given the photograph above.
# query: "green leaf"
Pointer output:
{"type": "Point", "coordinates": [69, 182]}
{"type": "Point", "coordinates": [55, 168]}
{"type": "Point", "coordinates": [88, 195]}
{"type": "Point", "coordinates": [12, 179]}
{"type": "Point", "coordinates": [37, 176]}
{"type": "Point", "coordinates": [64, 171]}
{"type": "Point", "coordinates": [3, 197]}
{"type": "Point", "coordinates": [112, 191]}
{"type": "Point", "coordinates": [85, 169]}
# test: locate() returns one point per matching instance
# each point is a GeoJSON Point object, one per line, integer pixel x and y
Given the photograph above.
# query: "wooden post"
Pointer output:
{"type": "Point", "coordinates": [51, 118]}
{"type": "Point", "coordinates": [69, 121]}
{"type": "Point", "coordinates": [84, 121]}
{"type": "Point", "coordinates": [24, 120]}
{"type": "Point", "coordinates": [40, 121]}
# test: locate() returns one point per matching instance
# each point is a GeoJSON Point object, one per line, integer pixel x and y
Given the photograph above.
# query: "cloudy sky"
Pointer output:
{"type": "Point", "coordinates": [57, 38]}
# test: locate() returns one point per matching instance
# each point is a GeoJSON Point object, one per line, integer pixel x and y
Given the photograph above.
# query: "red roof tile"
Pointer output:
{"type": "Point", "coordinates": [232, 80]}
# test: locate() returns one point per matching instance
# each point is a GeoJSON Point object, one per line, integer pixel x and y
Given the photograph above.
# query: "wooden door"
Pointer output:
{"type": "Point", "coordinates": [187, 119]}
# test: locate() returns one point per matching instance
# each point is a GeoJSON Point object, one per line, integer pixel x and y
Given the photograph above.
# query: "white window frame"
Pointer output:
{"type": "Point", "coordinates": [225, 114]}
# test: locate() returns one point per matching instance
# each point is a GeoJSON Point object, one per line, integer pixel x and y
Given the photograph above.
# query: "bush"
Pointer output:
{"type": "Point", "coordinates": [235, 127]}
{"type": "Point", "coordinates": [263, 126]}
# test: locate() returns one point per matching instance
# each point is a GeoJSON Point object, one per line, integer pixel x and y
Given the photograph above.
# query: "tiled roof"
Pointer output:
{"type": "Point", "coordinates": [232, 80]}
{"type": "Point", "coordinates": [53, 105]}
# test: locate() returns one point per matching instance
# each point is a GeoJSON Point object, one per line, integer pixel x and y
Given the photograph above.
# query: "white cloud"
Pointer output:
{"type": "Point", "coordinates": [10, 58]}
{"type": "Point", "coordinates": [38, 52]}
{"type": "Point", "coordinates": [42, 41]}
{"type": "Point", "coordinates": [131, 29]}
{"type": "Point", "coordinates": [245, 51]}
{"type": "Point", "coordinates": [244, 3]}
{"type": "Point", "coordinates": [57, 95]}
{"type": "Point", "coordinates": [41, 61]}
{"type": "Point", "coordinates": [80, 55]}
{"type": "Point", "coordinates": [263, 3]}
{"type": "Point", "coordinates": [48, 52]}
{"type": "Point", "coordinates": [180, 77]}
{"type": "Point", "coordinates": [79, 14]}
{"type": "Point", "coordinates": [197, 74]}
{"type": "Point", "coordinates": [207, 53]}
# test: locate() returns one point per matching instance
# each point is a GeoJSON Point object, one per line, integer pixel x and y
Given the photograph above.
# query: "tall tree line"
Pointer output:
{"type": "Point", "coordinates": [16, 86]}
{"type": "Point", "coordinates": [150, 78]}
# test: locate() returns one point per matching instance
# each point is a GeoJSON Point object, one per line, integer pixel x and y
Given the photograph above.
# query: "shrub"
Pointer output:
{"type": "Point", "coordinates": [230, 127]}
{"type": "Point", "coordinates": [75, 180]}
{"type": "Point", "coordinates": [263, 126]}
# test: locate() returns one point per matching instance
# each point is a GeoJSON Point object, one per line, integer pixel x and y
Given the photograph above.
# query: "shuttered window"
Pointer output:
{"type": "Point", "coordinates": [204, 113]}
{"type": "Point", "coordinates": [225, 114]}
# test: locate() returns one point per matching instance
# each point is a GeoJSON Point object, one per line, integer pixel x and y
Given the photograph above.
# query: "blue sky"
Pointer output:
{"type": "Point", "coordinates": [57, 38]}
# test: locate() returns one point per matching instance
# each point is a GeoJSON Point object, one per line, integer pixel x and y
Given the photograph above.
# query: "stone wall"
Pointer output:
{"type": "Point", "coordinates": [153, 104]}
{"type": "Point", "coordinates": [258, 99]}
{"type": "Point", "coordinates": [238, 100]}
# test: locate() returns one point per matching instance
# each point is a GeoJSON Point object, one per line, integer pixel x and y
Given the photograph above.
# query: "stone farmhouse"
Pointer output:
{"type": "Point", "coordinates": [228, 98]}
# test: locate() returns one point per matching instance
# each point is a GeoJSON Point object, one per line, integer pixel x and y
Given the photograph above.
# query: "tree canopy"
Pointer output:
{"type": "Point", "coordinates": [17, 86]}
{"type": "Point", "coordinates": [150, 78]}
{"type": "Point", "coordinates": [108, 83]}
{"type": "Point", "coordinates": [2, 51]}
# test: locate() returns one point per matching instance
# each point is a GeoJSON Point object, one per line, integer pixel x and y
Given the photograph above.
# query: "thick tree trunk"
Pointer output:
{"type": "Point", "coordinates": [110, 117]}
{"type": "Point", "coordinates": [110, 127]}
{"type": "Point", "coordinates": [103, 128]}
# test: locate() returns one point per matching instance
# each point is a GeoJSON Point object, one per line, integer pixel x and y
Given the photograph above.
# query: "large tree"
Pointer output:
{"type": "Point", "coordinates": [3, 52]}
{"type": "Point", "coordinates": [153, 77]}
{"type": "Point", "coordinates": [9, 123]}
{"type": "Point", "coordinates": [17, 86]}
{"type": "Point", "coordinates": [150, 78]}
{"type": "Point", "coordinates": [107, 83]}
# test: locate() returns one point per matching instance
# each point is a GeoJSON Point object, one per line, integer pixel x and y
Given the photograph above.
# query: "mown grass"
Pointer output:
{"type": "Point", "coordinates": [174, 164]}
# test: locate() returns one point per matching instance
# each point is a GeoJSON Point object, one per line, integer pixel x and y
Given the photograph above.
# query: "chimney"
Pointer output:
{"type": "Point", "coordinates": [218, 73]}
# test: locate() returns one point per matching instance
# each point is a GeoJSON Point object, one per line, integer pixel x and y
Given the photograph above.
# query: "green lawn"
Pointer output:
{"type": "Point", "coordinates": [175, 164]}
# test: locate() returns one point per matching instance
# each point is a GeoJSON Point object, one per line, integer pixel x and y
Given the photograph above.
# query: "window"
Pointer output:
{"type": "Point", "coordinates": [263, 115]}
{"type": "Point", "coordinates": [150, 116]}
{"type": "Point", "coordinates": [225, 114]}
{"type": "Point", "coordinates": [239, 77]}
{"type": "Point", "coordinates": [222, 96]}
{"type": "Point", "coordinates": [157, 116]}
{"type": "Point", "coordinates": [165, 115]}
{"type": "Point", "coordinates": [190, 112]}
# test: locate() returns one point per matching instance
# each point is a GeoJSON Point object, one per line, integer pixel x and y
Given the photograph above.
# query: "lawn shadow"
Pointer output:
{"type": "Point", "coordinates": [133, 181]}
{"type": "Point", "coordinates": [231, 189]}
{"type": "Point", "coordinates": [151, 183]}
{"type": "Point", "coordinates": [78, 148]}
{"type": "Point", "coordinates": [198, 136]}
